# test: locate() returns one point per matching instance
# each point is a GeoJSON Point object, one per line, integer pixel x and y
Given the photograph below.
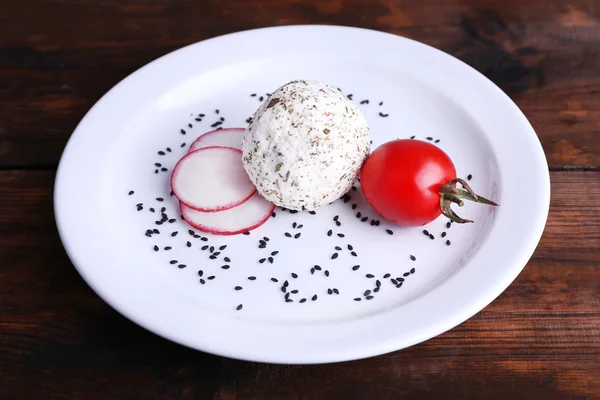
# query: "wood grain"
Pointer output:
{"type": "Point", "coordinates": [546, 56]}
{"type": "Point", "coordinates": [540, 339]}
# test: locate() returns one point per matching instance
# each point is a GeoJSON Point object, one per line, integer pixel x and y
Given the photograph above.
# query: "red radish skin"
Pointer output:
{"type": "Point", "coordinates": [226, 137]}
{"type": "Point", "coordinates": [211, 179]}
{"type": "Point", "coordinates": [243, 218]}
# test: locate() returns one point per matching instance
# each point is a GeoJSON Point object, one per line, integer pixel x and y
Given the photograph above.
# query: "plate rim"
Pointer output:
{"type": "Point", "coordinates": [483, 299]}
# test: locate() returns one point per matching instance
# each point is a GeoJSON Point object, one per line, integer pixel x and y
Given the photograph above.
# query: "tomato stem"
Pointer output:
{"type": "Point", "coordinates": [449, 194]}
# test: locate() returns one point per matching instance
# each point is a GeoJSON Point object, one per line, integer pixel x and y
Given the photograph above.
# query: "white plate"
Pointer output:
{"type": "Point", "coordinates": [426, 93]}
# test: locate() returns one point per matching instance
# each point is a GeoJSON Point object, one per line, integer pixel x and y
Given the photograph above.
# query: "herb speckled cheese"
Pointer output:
{"type": "Point", "coordinates": [305, 145]}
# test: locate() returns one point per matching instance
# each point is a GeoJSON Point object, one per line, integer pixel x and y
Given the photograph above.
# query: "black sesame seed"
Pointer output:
{"type": "Point", "coordinates": [262, 242]}
{"type": "Point", "coordinates": [284, 290]}
{"type": "Point", "coordinates": [238, 288]}
{"type": "Point", "coordinates": [412, 270]}
{"type": "Point", "coordinates": [370, 276]}
{"type": "Point", "coordinates": [429, 138]}
{"type": "Point", "coordinates": [273, 214]}
{"type": "Point", "coordinates": [389, 231]}
{"type": "Point", "coordinates": [350, 96]}
{"type": "Point", "coordinates": [293, 211]}
{"type": "Point", "coordinates": [286, 283]}
{"type": "Point", "coordinates": [181, 266]}
{"type": "Point", "coordinates": [336, 217]}
{"type": "Point", "coordinates": [217, 111]}
{"type": "Point", "coordinates": [317, 267]}
{"type": "Point", "coordinates": [182, 145]}
{"type": "Point", "coordinates": [294, 291]}
{"type": "Point", "coordinates": [297, 235]}
{"type": "Point", "coordinates": [212, 248]}
{"type": "Point", "coordinates": [173, 234]}
{"type": "Point", "coordinates": [364, 102]}
{"type": "Point", "coordinates": [262, 260]}
{"type": "Point", "coordinates": [172, 262]}
{"type": "Point", "coordinates": [406, 274]}
{"type": "Point", "coordinates": [447, 243]}
{"type": "Point", "coordinates": [294, 225]}
{"type": "Point", "coordinates": [329, 291]}
{"type": "Point", "coordinates": [294, 275]}
{"type": "Point", "coordinates": [253, 95]}
{"type": "Point", "coordinates": [202, 281]}
{"type": "Point", "coordinates": [260, 98]}
{"type": "Point", "coordinates": [370, 297]}
{"type": "Point", "coordinates": [238, 308]}
{"type": "Point", "coordinates": [314, 298]}
{"type": "Point", "coordinates": [341, 235]}
{"type": "Point", "coordinates": [334, 256]}
{"type": "Point", "coordinates": [251, 278]}
{"type": "Point", "coordinates": [358, 214]}
{"type": "Point", "coordinates": [395, 282]}
{"type": "Point", "coordinates": [246, 233]}
{"type": "Point", "coordinates": [357, 299]}
{"type": "Point", "coordinates": [188, 244]}
{"type": "Point", "coordinates": [413, 258]}
{"type": "Point", "coordinates": [161, 153]}
{"type": "Point", "coordinates": [354, 206]}
{"type": "Point", "coordinates": [412, 137]}
{"type": "Point", "coordinates": [448, 225]}
{"type": "Point", "coordinates": [367, 292]}
{"type": "Point", "coordinates": [164, 169]}
{"type": "Point", "coordinates": [338, 248]}
{"type": "Point", "coordinates": [204, 247]}
{"type": "Point", "coordinates": [300, 226]}
{"type": "Point", "coordinates": [437, 141]}
{"type": "Point", "coordinates": [274, 280]}
{"type": "Point", "coordinates": [329, 232]}
{"type": "Point", "coordinates": [383, 115]}
{"type": "Point", "coordinates": [381, 103]}
{"type": "Point", "coordinates": [200, 273]}
{"type": "Point", "coordinates": [198, 119]}
{"type": "Point", "coordinates": [152, 209]}
{"type": "Point", "coordinates": [355, 268]}
{"type": "Point", "coordinates": [287, 234]}
{"type": "Point", "coordinates": [469, 177]}
{"type": "Point", "coordinates": [227, 259]}
{"type": "Point", "coordinates": [377, 223]}
{"type": "Point", "coordinates": [302, 300]}
{"type": "Point", "coordinates": [262, 246]}
{"type": "Point", "coordinates": [443, 234]}
{"type": "Point", "coordinates": [426, 232]}
{"type": "Point", "coordinates": [387, 276]}
{"type": "Point", "coordinates": [204, 239]}
{"type": "Point", "coordinates": [354, 254]}
{"type": "Point", "coordinates": [400, 279]}
{"type": "Point", "coordinates": [132, 192]}
{"type": "Point", "coordinates": [377, 283]}
{"type": "Point", "coordinates": [431, 236]}
{"type": "Point", "coordinates": [155, 248]}
{"type": "Point", "coordinates": [223, 247]}
{"type": "Point", "coordinates": [312, 212]}
{"type": "Point", "coordinates": [270, 260]}
{"type": "Point", "coordinates": [326, 273]}
{"type": "Point", "coordinates": [364, 219]}
{"type": "Point", "coordinates": [350, 247]}
{"type": "Point", "coordinates": [289, 300]}
{"type": "Point", "coordinates": [226, 266]}
{"type": "Point", "coordinates": [155, 231]}
{"type": "Point", "coordinates": [212, 257]}
{"type": "Point", "coordinates": [312, 271]}
{"type": "Point", "coordinates": [275, 253]}
{"type": "Point", "coordinates": [140, 208]}
{"type": "Point", "coordinates": [338, 223]}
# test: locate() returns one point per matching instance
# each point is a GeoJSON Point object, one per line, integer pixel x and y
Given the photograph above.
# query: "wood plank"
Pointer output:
{"type": "Point", "coordinates": [540, 339]}
{"type": "Point", "coordinates": [545, 55]}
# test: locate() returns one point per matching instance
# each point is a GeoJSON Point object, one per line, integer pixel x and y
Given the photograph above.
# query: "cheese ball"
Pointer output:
{"type": "Point", "coordinates": [305, 145]}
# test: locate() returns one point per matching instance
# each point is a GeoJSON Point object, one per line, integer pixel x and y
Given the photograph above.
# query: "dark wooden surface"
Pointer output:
{"type": "Point", "coordinates": [539, 340]}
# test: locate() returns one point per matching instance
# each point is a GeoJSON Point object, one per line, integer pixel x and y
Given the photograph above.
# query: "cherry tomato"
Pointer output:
{"type": "Point", "coordinates": [401, 180]}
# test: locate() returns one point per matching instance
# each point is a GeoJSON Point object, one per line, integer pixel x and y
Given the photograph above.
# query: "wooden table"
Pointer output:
{"type": "Point", "coordinates": [539, 340]}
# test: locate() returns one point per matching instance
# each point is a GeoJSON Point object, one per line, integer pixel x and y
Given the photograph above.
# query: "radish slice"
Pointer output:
{"type": "Point", "coordinates": [230, 137]}
{"type": "Point", "coordinates": [211, 179]}
{"type": "Point", "coordinates": [243, 218]}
